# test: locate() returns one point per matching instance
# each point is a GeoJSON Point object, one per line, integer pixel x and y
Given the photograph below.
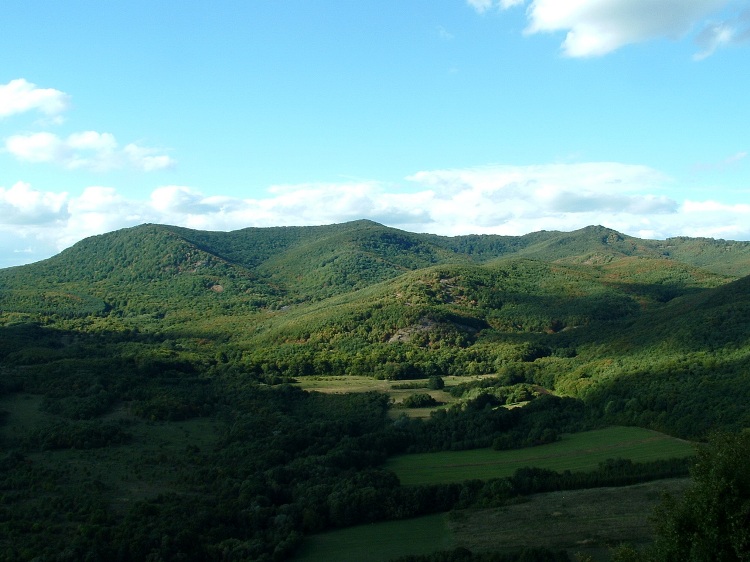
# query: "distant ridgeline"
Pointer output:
{"type": "Point", "coordinates": [271, 267]}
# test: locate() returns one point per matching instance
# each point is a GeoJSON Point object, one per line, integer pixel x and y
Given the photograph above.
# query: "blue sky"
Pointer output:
{"type": "Point", "coordinates": [444, 116]}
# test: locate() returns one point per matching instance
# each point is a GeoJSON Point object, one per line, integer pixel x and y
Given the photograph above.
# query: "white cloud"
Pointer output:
{"type": "Point", "coordinates": [98, 199]}
{"type": "Point", "coordinates": [21, 204]}
{"type": "Point", "coordinates": [35, 225]}
{"type": "Point", "coordinates": [39, 147]}
{"type": "Point", "coordinates": [494, 199]}
{"type": "Point", "coordinates": [146, 159]}
{"type": "Point", "coordinates": [517, 199]}
{"type": "Point", "coordinates": [598, 27]}
{"type": "Point", "coordinates": [20, 96]}
{"type": "Point", "coordinates": [510, 200]}
{"type": "Point", "coordinates": [184, 201]}
{"type": "Point", "coordinates": [89, 150]}
{"type": "Point", "coordinates": [91, 140]}
{"type": "Point", "coordinates": [81, 150]}
{"type": "Point", "coordinates": [713, 219]}
{"type": "Point", "coordinates": [31, 222]}
{"type": "Point", "coordinates": [100, 209]}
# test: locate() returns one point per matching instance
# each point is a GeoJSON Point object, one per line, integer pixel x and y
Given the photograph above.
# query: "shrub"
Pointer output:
{"type": "Point", "coordinates": [419, 401]}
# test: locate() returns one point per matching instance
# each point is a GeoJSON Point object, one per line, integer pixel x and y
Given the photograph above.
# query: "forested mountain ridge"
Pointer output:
{"type": "Point", "coordinates": [282, 265]}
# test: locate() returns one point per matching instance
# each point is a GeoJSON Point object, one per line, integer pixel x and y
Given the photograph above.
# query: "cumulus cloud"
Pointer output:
{"type": "Point", "coordinates": [89, 150]}
{"type": "Point", "coordinates": [100, 209]}
{"type": "Point", "coordinates": [510, 200]}
{"type": "Point", "coordinates": [146, 159]}
{"type": "Point", "coordinates": [493, 199]}
{"type": "Point", "coordinates": [21, 204]}
{"type": "Point", "coordinates": [84, 150]}
{"type": "Point", "coordinates": [514, 199]}
{"type": "Point", "coordinates": [35, 225]}
{"type": "Point", "coordinates": [713, 219]}
{"type": "Point", "coordinates": [598, 27]}
{"type": "Point", "coordinates": [31, 222]}
{"type": "Point", "coordinates": [20, 96]}
{"type": "Point", "coordinates": [39, 147]}
{"type": "Point", "coordinates": [187, 201]}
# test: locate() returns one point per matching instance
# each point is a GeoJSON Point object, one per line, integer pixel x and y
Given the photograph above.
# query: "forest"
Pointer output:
{"type": "Point", "coordinates": [152, 401]}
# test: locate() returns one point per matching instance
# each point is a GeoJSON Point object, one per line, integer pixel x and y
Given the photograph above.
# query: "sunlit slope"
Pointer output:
{"type": "Point", "coordinates": [600, 245]}
{"type": "Point", "coordinates": [571, 293]}
{"type": "Point", "coordinates": [464, 306]}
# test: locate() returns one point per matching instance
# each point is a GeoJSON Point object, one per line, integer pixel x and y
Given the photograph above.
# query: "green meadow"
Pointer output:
{"type": "Point", "coordinates": [378, 542]}
{"type": "Point", "coordinates": [574, 452]}
{"type": "Point", "coordinates": [342, 384]}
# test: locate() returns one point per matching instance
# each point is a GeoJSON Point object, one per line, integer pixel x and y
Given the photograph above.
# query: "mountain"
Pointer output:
{"type": "Point", "coordinates": [153, 266]}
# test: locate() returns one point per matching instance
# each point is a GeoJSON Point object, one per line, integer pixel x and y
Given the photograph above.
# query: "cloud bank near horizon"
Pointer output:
{"type": "Point", "coordinates": [509, 200]}
{"type": "Point", "coordinates": [598, 27]}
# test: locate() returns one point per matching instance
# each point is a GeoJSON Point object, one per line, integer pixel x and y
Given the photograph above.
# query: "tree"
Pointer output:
{"type": "Point", "coordinates": [712, 521]}
{"type": "Point", "coordinates": [435, 382]}
{"type": "Point", "coordinates": [419, 401]}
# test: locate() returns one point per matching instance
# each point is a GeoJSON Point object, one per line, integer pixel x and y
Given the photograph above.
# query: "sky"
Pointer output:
{"type": "Point", "coordinates": [442, 116]}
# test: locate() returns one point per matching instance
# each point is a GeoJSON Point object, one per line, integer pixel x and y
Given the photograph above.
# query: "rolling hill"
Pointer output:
{"type": "Point", "coordinates": [280, 266]}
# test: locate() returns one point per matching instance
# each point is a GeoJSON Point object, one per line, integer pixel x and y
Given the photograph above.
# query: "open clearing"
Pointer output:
{"type": "Point", "coordinates": [581, 521]}
{"type": "Point", "coordinates": [351, 383]}
{"type": "Point", "coordinates": [575, 452]}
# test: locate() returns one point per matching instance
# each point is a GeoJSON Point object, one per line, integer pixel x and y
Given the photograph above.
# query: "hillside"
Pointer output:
{"type": "Point", "coordinates": [151, 371]}
{"type": "Point", "coordinates": [139, 269]}
{"type": "Point", "coordinates": [569, 311]}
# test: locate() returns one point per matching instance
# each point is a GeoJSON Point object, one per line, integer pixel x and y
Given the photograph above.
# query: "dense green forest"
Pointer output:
{"type": "Point", "coordinates": [149, 407]}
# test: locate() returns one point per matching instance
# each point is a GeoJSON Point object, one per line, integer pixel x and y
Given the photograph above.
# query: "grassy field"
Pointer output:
{"type": "Point", "coordinates": [581, 521]}
{"type": "Point", "coordinates": [589, 522]}
{"type": "Point", "coordinates": [344, 384]}
{"type": "Point", "coordinates": [576, 452]}
{"type": "Point", "coordinates": [378, 542]}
